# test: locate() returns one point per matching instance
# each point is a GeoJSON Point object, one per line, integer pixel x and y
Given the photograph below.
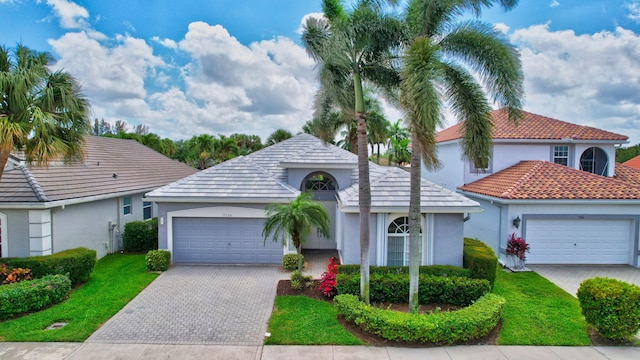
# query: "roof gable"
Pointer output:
{"type": "Point", "coordinates": [535, 127]}
{"type": "Point", "coordinates": [543, 180]}
{"type": "Point", "coordinates": [634, 162]}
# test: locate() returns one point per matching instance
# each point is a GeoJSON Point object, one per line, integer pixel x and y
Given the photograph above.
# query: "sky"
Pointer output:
{"type": "Point", "coordinates": [224, 67]}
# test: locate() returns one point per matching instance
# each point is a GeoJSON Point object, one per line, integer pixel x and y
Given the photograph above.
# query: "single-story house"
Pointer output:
{"type": "Point", "coordinates": [216, 216]}
{"type": "Point", "coordinates": [52, 208]}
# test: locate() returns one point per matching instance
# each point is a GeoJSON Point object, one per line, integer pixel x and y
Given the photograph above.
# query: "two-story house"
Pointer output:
{"type": "Point", "coordinates": [554, 184]}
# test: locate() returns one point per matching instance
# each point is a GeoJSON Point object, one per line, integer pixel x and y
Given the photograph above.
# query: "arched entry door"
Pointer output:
{"type": "Point", "coordinates": [323, 186]}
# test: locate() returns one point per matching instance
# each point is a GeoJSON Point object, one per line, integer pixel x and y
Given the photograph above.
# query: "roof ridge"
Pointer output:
{"type": "Point", "coordinates": [33, 183]}
{"type": "Point", "coordinates": [526, 176]}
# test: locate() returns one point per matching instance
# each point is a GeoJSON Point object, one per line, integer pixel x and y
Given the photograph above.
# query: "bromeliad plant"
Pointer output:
{"type": "Point", "coordinates": [517, 249]}
{"type": "Point", "coordinates": [328, 283]}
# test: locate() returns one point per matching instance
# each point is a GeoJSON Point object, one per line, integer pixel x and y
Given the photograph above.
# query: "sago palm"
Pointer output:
{"type": "Point", "coordinates": [42, 112]}
{"type": "Point", "coordinates": [294, 220]}
{"type": "Point", "coordinates": [467, 64]}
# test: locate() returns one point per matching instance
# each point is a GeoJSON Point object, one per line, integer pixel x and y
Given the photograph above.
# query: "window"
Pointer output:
{"type": "Point", "coordinates": [147, 210]}
{"type": "Point", "coordinates": [595, 161]}
{"type": "Point", "coordinates": [126, 206]}
{"type": "Point", "coordinates": [561, 154]}
{"type": "Point", "coordinates": [398, 242]}
{"type": "Point", "coordinates": [319, 182]}
{"type": "Point", "coordinates": [483, 168]}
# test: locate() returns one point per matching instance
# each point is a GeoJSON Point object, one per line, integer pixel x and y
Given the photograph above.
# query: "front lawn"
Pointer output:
{"type": "Point", "coordinates": [538, 312]}
{"type": "Point", "coordinates": [301, 320]}
{"type": "Point", "coordinates": [116, 279]}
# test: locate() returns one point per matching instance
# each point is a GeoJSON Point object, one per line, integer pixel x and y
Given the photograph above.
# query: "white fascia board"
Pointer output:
{"type": "Point", "coordinates": [423, 209]}
{"type": "Point", "coordinates": [184, 199]}
{"type": "Point", "coordinates": [299, 165]}
{"type": "Point", "coordinates": [494, 199]}
{"type": "Point", "coordinates": [65, 202]}
{"type": "Point", "coordinates": [559, 141]}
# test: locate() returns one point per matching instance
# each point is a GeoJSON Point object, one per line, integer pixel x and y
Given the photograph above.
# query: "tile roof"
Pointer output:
{"type": "Point", "coordinates": [543, 180]}
{"type": "Point", "coordinates": [135, 166]}
{"type": "Point", "coordinates": [634, 162]}
{"type": "Point", "coordinates": [627, 174]}
{"type": "Point", "coordinates": [536, 127]}
{"type": "Point", "coordinates": [261, 177]}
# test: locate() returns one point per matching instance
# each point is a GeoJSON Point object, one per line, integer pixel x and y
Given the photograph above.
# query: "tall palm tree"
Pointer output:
{"type": "Point", "coordinates": [225, 148]}
{"type": "Point", "coordinates": [353, 48]}
{"type": "Point", "coordinates": [42, 112]}
{"type": "Point", "coordinates": [439, 65]}
{"type": "Point", "coordinates": [397, 143]}
{"type": "Point", "coordinates": [201, 150]}
{"type": "Point", "coordinates": [278, 136]}
{"type": "Point", "coordinates": [295, 220]}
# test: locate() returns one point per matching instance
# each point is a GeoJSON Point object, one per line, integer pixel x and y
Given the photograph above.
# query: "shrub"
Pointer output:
{"type": "Point", "coordinates": [78, 263]}
{"type": "Point", "coordinates": [465, 324]}
{"type": "Point", "coordinates": [517, 248]}
{"type": "Point", "coordinates": [290, 261]}
{"type": "Point", "coordinates": [140, 236]}
{"type": "Point", "coordinates": [298, 280]}
{"type": "Point", "coordinates": [394, 288]}
{"type": "Point", "coordinates": [10, 276]}
{"type": "Point", "coordinates": [328, 278]}
{"type": "Point", "coordinates": [158, 260]}
{"type": "Point", "coordinates": [611, 306]}
{"type": "Point", "coordinates": [435, 270]}
{"type": "Point", "coordinates": [480, 260]}
{"type": "Point", "coordinates": [32, 295]}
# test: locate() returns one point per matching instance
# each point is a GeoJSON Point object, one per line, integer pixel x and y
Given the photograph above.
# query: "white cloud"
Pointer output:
{"type": "Point", "coordinates": [502, 27]}
{"type": "Point", "coordinates": [587, 79]}
{"type": "Point", "coordinates": [554, 3]}
{"type": "Point", "coordinates": [71, 15]}
{"type": "Point", "coordinates": [168, 43]}
{"type": "Point", "coordinates": [304, 20]}
{"type": "Point", "coordinates": [634, 11]}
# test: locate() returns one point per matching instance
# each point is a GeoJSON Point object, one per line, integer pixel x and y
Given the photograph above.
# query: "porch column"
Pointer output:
{"type": "Point", "coordinates": [40, 232]}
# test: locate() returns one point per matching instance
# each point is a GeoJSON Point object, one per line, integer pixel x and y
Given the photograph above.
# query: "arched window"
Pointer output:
{"type": "Point", "coordinates": [320, 182]}
{"type": "Point", "coordinates": [594, 160]}
{"type": "Point", "coordinates": [398, 242]}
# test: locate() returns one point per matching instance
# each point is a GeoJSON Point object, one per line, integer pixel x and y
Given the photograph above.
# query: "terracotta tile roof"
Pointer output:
{"type": "Point", "coordinates": [137, 168]}
{"type": "Point", "coordinates": [543, 180]}
{"type": "Point", "coordinates": [536, 127]}
{"type": "Point", "coordinates": [634, 163]}
{"type": "Point", "coordinates": [627, 174]}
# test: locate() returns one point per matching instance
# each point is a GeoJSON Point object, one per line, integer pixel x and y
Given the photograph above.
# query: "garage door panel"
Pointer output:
{"type": "Point", "coordinates": [222, 241]}
{"type": "Point", "coordinates": [584, 241]}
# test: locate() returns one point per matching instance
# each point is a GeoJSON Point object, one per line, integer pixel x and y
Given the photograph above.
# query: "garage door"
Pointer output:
{"type": "Point", "coordinates": [584, 241]}
{"type": "Point", "coordinates": [222, 241]}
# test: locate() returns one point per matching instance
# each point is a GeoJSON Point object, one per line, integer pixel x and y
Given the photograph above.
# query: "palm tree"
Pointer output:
{"type": "Point", "coordinates": [436, 70]}
{"type": "Point", "coordinates": [353, 48]}
{"type": "Point", "coordinates": [42, 112]}
{"type": "Point", "coordinates": [278, 136]}
{"type": "Point", "coordinates": [225, 148]}
{"type": "Point", "coordinates": [295, 220]}
{"type": "Point", "coordinates": [398, 143]}
{"type": "Point", "coordinates": [201, 150]}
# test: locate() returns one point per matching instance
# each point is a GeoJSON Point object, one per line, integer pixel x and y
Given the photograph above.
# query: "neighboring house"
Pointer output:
{"type": "Point", "coordinates": [552, 183]}
{"type": "Point", "coordinates": [217, 215]}
{"type": "Point", "coordinates": [44, 210]}
{"type": "Point", "coordinates": [634, 162]}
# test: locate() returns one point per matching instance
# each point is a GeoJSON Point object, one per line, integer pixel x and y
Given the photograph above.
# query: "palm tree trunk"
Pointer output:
{"type": "Point", "coordinates": [364, 188]}
{"type": "Point", "coordinates": [414, 224]}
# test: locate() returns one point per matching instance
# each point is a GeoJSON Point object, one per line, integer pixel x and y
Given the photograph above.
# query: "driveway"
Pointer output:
{"type": "Point", "coordinates": [206, 305]}
{"type": "Point", "coordinates": [569, 277]}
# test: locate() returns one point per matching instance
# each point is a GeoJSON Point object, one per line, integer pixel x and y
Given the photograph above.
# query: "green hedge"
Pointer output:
{"type": "Point", "coordinates": [394, 288]}
{"type": "Point", "coordinates": [31, 295]}
{"type": "Point", "coordinates": [472, 322]}
{"type": "Point", "coordinates": [435, 270]}
{"type": "Point", "coordinates": [158, 260]}
{"type": "Point", "coordinates": [480, 260]}
{"type": "Point", "coordinates": [611, 306]}
{"type": "Point", "coordinates": [140, 236]}
{"type": "Point", "coordinates": [290, 261]}
{"type": "Point", "coordinates": [78, 263]}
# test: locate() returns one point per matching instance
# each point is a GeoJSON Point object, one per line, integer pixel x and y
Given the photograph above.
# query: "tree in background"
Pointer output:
{"type": "Point", "coordinates": [42, 112]}
{"type": "Point", "coordinates": [278, 136]}
{"type": "Point", "coordinates": [247, 143]}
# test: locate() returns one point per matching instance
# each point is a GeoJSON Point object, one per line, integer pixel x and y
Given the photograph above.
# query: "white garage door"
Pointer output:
{"type": "Point", "coordinates": [222, 241]}
{"type": "Point", "coordinates": [584, 241]}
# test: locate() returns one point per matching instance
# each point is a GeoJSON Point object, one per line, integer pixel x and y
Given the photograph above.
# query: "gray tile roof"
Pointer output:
{"type": "Point", "coordinates": [261, 177]}
{"type": "Point", "coordinates": [136, 169]}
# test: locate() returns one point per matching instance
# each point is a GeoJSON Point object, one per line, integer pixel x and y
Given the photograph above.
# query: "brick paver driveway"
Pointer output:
{"type": "Point", "coordinates": [212, 305]}
{"type": "Point", "coordinates": [569, 277]}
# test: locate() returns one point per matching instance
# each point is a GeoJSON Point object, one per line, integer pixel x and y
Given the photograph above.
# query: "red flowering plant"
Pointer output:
{"type": "Point", "coordinates": [517, 247]}
{"type": "Point", "coordinates": [328, 282]}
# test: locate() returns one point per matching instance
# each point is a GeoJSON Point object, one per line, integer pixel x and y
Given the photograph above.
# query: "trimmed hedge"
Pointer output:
{"type": "Point", "coordinates": [78, 263]}
{"type": "Point", "coordinates": [394, 288]}
{"type": "Point", "coordinates": [158, 260]}
{"type": "Point", "coordinates": [140, 236]}
{"type": "Point", "coordinates": [472, 322]}
{"type": "Point", "coordinates": [435, 270]}
{"type": "Point", "coordinates": [31, 295]}
{"type": "Point", "coordinates": [611, 306]}
{"type": "Point", "coordinates": [480, 260]}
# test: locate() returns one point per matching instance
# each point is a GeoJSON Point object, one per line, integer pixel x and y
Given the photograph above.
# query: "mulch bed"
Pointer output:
{"type": "Point", "coordinates": [284, 288]}
{"type": "Point", "coordinates": [599, 340]}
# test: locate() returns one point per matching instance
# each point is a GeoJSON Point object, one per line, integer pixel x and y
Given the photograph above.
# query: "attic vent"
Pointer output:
{"type": "Point", "coordinates": [115, 175]}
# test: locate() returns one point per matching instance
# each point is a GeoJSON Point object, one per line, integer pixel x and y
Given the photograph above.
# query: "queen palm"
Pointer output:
{"type": "Point", "coordinates": [294, 220]}
{"type": "Point", "coordinates": [439, 66]}
{"type": "Point", "coordinates": [42, 112]}
{"type": "Point", "coordinates": [353, 48]}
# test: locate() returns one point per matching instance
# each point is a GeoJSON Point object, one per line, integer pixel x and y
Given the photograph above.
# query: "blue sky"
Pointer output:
{"type": "Point", "coordinates": [223, 66]}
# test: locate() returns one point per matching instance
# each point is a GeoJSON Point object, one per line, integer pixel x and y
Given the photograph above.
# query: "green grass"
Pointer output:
{"type": "Point", "coordinates": [538, 312]}
{"type": "Point", "coordinates": [299, 320]}
{"type": "Point", "coordinates": [115, 280]}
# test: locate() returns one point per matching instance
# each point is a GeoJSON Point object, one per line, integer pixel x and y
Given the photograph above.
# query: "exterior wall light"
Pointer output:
{"type": "Point", "coordinates": [517, 221]}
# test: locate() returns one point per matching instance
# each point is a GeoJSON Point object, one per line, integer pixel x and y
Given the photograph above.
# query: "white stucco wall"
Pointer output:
{"type": "Point", "coordinates": [17, 232]}
{"type": "Point", "coordinates": [451, 174]}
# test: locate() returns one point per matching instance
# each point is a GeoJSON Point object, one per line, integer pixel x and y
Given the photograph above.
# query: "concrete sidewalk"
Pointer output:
{"type": "Point", "coordinates": [94, 351]}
